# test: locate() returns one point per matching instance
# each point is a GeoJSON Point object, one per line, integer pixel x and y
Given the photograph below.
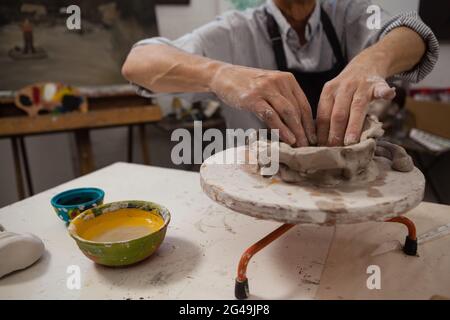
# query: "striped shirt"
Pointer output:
{"type": "Point", "coordinates": [241, 38]}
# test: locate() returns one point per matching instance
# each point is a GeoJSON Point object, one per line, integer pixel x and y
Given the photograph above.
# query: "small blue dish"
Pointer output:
{"type": "Point", "coordinates": [71, 203]}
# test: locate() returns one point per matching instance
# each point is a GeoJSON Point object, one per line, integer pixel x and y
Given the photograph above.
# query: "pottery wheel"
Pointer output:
{"type": "Point", "coordinates": [239, 188]}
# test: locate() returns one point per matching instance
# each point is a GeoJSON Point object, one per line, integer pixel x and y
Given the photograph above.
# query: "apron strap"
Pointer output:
{"type": "Point", "coordinates": [330, 31]}
{"type": "Point", "coordinates": [277, 40]}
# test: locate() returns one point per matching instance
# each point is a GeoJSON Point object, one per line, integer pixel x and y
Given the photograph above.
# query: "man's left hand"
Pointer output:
{"type": "Point", "coordinates": [344, 102]}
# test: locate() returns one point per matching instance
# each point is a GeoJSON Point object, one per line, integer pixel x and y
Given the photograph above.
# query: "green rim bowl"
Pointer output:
{"type": "Point", "coordinates": [120, 253]}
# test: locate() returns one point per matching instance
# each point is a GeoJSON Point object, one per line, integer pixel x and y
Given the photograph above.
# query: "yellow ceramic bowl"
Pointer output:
{"type": "Point", "coordinates": [120, 233]}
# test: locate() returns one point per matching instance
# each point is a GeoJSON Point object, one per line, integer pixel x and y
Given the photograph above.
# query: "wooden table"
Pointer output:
{"type": "Point", "coordinates": [109, 106]}
{"type": "Point", "coordinates": [197, 260]}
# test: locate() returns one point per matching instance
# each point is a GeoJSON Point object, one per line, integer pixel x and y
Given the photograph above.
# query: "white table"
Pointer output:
{"type": "Point", "coordinates": [198, 258]}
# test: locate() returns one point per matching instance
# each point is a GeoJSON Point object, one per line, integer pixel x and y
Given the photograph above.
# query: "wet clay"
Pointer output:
{"type": "Point", "coordinates": [331, 166]}
{"type": "Point", "coordinates": [401, 161]}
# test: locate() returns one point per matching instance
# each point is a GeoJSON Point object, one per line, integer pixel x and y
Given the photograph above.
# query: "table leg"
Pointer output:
{"type": "Point", "coordinates": [241, 290]}
{"type": "Point", "coordinates": [26, 165]}
{"type": "Point", "coordinates": [410, 247]}
{"type": "Point", "coordinates": [130, 144]}
{"type": "Point", "coordinates": [18, 168]}
{"type": "Point", "coordinates": [144, 146]}
{"type": "Point", "coordinates": [84, 150]}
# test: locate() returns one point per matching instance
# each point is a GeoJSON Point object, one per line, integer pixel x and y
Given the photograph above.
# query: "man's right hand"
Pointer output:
{"type": "Point", "coordinates": [274, 96]}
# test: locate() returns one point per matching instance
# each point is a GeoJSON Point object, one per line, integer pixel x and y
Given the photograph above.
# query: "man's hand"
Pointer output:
{"type": "Point", "coordinates": [345, 99]}
{"type": "Point", "coordinates": [344, 103]}
{"type": "Point", "coordinates": [274, 96]}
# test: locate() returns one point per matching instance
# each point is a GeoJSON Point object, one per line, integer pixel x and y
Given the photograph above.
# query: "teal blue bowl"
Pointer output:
{"type": "Point", "coordinates": [71, 203]}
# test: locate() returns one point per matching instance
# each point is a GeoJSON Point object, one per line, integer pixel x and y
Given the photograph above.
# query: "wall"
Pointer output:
{"type": "Point", "coordinates": [439, 78]}
{"type": "Point", "coordinates": [398, 6]}
{"type": "Point", "coordinates": [50, 157]}
{"type": "Point", "coordinates": [174, 21]}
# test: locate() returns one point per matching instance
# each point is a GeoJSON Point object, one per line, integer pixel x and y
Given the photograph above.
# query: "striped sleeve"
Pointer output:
{"type": "Point", "coordinates": [426, 65]}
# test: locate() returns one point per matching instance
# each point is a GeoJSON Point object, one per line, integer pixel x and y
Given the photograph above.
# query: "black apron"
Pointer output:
{"type": "Point", "coordinates": [310, 82]}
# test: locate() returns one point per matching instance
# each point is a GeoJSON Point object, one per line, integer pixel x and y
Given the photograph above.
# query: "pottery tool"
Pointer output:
{"type": "Point", "coordinates": [437, 233]}
{"type": "Point", "coordinates": [234, 184]}
{"type": "Point", "coordinates": [394, 245]}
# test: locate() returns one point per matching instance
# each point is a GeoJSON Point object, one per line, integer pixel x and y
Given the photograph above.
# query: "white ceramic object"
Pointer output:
{"type": "Point", "coordinates": [18, 251]}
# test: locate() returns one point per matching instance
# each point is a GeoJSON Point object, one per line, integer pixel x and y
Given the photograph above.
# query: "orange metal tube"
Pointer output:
{"type": "Point", "coordinates": [241, 287]}
{"type": "Point", "coordinates": [251, 251]}
{"type": "Point", "coordinates": [408, 223]}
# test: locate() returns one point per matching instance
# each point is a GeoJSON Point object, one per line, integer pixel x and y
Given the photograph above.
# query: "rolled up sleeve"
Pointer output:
{"type": "Point", "coordinates": [430, 58]}
{"type": "Point", "coordinates": [359, 36]}
{"type": "Point", "coordinates": [212, 40]}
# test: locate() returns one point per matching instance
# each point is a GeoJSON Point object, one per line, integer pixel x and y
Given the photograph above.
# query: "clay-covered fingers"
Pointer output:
{"type": "Point", "coordinates": [378, 89]}
{"type": "Point", "coordinates": [339, 116]}
{"type": "Point", "coordinates": [268, 114]}
{"type": "Point", "coordinates": [324, 110]}
{"type": "Point", "coordinates": [341, 113]}
{"type": "Point", "coordinates": [291, 117]}
{"type": "Point", "coordinates": [294, 94]}
{"type": "Point", "coordinates": [273, 95]}
{"type": "Point", "coordinates": [358, 112]}
{"type": "Point", "coordinates": [381, 89]}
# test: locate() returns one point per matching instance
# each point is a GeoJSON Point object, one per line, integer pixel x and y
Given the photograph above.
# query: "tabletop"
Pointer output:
{"type": "Point", "coordinates": [199, 256]}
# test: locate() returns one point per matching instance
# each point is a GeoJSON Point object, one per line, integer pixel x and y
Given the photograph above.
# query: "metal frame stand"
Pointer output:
{"type": "Point", "coordinates": [241, 290]}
